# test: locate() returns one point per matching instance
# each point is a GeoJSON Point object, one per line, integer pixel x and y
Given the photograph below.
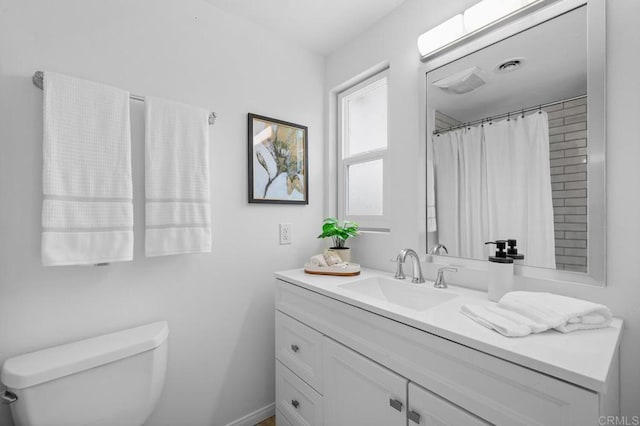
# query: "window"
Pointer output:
{"type": "Point", "coordinates": [362, 152]}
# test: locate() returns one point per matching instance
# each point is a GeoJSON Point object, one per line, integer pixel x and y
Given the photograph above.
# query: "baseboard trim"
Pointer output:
{"type": "Point", "coordinates": [255, 417]}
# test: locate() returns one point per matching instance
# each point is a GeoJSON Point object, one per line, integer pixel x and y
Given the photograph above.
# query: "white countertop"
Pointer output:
{"type": "Point", "coordinates": [582, 357]}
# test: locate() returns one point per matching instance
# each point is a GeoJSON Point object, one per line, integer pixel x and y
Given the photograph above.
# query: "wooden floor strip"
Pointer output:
{"type": "Point", "coordinates": [271, 421]}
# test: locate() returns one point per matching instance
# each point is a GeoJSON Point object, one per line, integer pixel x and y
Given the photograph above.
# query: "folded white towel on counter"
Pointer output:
{"type": "Point", "coordinates": [520, 313]}
{"type": "Point", "coordinates": [563, 313]}
{"type": "Point", "coordinates": [87, 210]}
{"type": "Point", "coordinates": [504, 322]}
{"type": "Point", "coordinates": [178, 214]}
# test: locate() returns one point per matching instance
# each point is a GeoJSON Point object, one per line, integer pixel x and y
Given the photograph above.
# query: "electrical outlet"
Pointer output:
{"type": "Point", "coordinates": [285, 233]}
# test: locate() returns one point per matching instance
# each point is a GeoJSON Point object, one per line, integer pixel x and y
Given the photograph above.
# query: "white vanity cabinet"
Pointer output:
{"type": "Point", "coordinates": [342, 365]}
{"type": "Point", "coordinates": [358, 391]}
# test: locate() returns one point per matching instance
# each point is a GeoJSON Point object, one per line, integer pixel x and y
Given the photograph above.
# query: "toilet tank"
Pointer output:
{"type": "Point", "coordinates": [114, 379]}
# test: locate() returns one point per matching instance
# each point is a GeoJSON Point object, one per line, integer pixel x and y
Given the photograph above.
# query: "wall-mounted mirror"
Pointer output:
{"type": "Point", "coordinates": [515, 148]}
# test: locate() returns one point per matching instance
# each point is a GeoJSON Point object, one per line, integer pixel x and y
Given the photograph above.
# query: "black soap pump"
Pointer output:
{"type": "Point", "coordinates": [512, 251]}
{"type": "Point", "coordinates": [501, 255]}
{"type": "Point", "coordinates": [500, 272]}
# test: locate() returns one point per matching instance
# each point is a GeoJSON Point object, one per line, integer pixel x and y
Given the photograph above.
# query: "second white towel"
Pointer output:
{"type": "Point", "coordinates": [178, 215]}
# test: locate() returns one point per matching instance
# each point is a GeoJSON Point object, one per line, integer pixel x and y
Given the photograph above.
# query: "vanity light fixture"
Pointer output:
{"type": "Point", "coordinates": [474, 21]}
{"type": "Point", "coordinates": [441, 35]}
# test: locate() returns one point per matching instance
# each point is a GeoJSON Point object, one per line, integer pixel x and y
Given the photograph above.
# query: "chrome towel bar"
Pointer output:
{"type": "Point", "coordinates": [38, 81]}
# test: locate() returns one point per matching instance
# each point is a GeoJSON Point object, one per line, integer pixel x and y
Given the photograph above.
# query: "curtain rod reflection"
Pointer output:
{"type": "Point", "coordinates": [506, 115]}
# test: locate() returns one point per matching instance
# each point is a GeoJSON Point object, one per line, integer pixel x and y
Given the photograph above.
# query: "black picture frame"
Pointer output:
{"type": "Point", "coordinates": [278, 163]}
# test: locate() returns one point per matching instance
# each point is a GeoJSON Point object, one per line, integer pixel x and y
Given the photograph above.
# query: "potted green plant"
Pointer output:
{"type": "Point", "coordinates": [331, 228]}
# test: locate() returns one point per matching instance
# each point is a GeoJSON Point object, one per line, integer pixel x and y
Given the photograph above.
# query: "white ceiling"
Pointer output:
{"type": "Point", "coordinates": [556, 68]}
{"type": "Point", "coordinates": [319, 25]}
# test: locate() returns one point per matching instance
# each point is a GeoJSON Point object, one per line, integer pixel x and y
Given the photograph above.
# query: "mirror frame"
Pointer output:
{"type": "Point", "coordinates": [596, 117]}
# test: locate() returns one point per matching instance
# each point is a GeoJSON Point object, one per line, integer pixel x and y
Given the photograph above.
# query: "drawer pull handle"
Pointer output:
{"type": "Point", "coordinates": [414, 417]}
{"type": "Point", "coordinates": [395, 404]}
{"type": "Point", "coordinates": [295, 403]}
{"type": "Point", "coordinates": [295, 348]}
{"type": "Point", "coordinates": [8, 397]}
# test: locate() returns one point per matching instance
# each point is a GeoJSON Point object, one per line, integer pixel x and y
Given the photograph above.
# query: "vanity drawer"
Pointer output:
{"type": "Point", "coordinates": [281, 420]}
{"type": "Point", "coordinates": [299, 347]}
{"type": "Point", "coordinates": [296, 400]}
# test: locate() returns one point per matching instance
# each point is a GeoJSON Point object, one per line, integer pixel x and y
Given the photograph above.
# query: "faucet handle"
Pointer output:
{"type": "Point", "coordinates": [440, 283]}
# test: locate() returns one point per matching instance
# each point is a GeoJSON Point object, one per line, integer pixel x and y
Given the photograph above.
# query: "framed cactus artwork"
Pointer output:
{"type": "Point", "coordinates": [278, 161]}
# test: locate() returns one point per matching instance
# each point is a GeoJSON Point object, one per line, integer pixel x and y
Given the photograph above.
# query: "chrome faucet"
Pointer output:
{"type": "Point", "coordinates": [437, 249]}
{"type": "Point", "coordinates": [440, 278]}
{"type": "Point", "coordinates": [417, 270]}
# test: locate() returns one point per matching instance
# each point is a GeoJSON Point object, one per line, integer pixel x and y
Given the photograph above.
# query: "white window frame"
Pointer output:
{"type": "Point", "coordinates": [366, 222]}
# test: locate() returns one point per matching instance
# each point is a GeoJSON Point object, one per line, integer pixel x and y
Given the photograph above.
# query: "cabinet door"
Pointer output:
{"type": "Point", "coordinates": [359, 392]}
{"type": "Point", "coordinates": [426, 408]}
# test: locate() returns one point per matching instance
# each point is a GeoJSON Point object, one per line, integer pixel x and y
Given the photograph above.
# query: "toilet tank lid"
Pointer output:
{"type": "Point", "coordinates": [42, 366]}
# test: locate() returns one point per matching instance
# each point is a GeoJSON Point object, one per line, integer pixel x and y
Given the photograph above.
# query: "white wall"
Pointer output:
{"type": "Point", "coordinates": [393, 41]}
{"type": "Point", "coordinates": [219, 305]}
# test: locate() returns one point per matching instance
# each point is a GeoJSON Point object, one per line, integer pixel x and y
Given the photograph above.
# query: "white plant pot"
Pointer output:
{"type": "Point", "coordinates": [344, 253]}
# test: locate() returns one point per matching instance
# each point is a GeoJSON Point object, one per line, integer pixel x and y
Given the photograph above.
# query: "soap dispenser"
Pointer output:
{"type": "Point", "coordinates": [500, 272]}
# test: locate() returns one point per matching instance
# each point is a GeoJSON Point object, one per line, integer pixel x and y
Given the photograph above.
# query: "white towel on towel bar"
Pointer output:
{"type": "Point", "coordinates": [87, 210]}
{"type": "Point", "coordinates": [520, 313]}
{"type": "Point", "coordinates": [178, 214]}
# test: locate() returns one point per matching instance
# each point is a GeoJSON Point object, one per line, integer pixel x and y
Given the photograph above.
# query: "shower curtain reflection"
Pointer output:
{"type": "Point", "coordinates": [493, 181]}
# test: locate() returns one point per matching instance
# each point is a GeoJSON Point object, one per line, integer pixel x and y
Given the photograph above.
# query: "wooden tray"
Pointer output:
{"type": "Point", "coordinates": [351, 270]}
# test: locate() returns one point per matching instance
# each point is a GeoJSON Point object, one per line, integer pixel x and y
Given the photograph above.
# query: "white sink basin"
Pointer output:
{"type": "Point", "coordinates": [418, 297]}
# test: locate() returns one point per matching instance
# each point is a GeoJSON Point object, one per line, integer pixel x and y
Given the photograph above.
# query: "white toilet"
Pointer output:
{"type": "Point", "coordinates": [115, 379]}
